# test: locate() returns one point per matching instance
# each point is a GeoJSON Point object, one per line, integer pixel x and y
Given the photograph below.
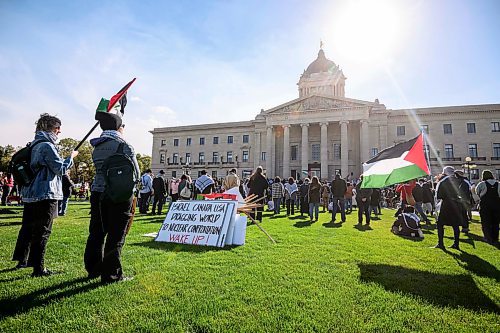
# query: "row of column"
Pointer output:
{"type": "Point", "coordinates": [344, 143]}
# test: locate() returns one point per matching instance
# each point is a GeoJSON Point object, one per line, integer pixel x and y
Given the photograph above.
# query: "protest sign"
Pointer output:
{"type": "Point", "coordinates": [198, 222]}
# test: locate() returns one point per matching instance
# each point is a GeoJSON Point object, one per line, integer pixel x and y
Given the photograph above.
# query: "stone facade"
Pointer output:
{"type": "Point", "coordinates": [322, 132]}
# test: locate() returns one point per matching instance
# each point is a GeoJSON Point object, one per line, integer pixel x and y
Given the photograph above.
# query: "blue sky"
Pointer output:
{"type": "Point", "coordinates": [219, 61]}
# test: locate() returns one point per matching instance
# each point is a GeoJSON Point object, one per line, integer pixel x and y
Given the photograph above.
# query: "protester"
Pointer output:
{"type": "Point", "coordinates": [146, 191]}
{"type": "Point", "coordinates": [258, 185]}
{"type": "Point", "coordinates": [174, 189]}
{"type": "Point", "coordinates": [339, 189]}
{"type": "Point", "coordinates": [428, 198]}
{"type": "Point", "coordinates": [348, 198]}
{"type": "Point", "coordinates": [277, 194]}
{"type": "Point", "coordinates": [375, 202]}
{"type": "Point", "coordinates": [488, 191]}
{"type": "Point", "coordinates": [109, 220]}
{"type": "Point", "coordinates": [304, 197]}
{"type": "Point", "coordinates": [452, 210]}
{"type": "Point", "coordinates": [7, 186]}
{"type": "Point", "coordinates": [41, 195]}
{"type": "Point", "coordinates": [314, 195]}
{"type": "Point", "coordinates": [67, 186]}
{"type": "Point", "coordinates": [418, 195]}
{"type": "Point", "coordinates": [363, 198]}
{"type": "Point", "coordinates": [407, 224]}
{"type": "Point", "coordinates": [291, 191]}
{"type": "Point", "coordinates": [466, 198]}
{"type": "Point", "coordinates": [185, 188]}
{"type": "Point", "coordinates": [204, 184]}
{"type": "Point", "coordinates": [325, 196]}
{"type": "Point", "coordinates": [159, 190]}
{"type": "Point", "coordinates": [231, 180]}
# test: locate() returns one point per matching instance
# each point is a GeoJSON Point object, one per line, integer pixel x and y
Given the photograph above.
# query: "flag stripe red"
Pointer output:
{"type": "Point", "coordinates": [119, 95]}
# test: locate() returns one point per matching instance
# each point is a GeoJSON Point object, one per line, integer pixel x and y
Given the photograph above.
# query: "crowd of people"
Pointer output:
{"type": "Point", "coordinates": [449, 197]}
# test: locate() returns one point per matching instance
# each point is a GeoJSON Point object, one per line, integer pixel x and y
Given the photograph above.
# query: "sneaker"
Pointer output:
{"type": "Point", "coordinates": [45, 272]}
{"type": "Point", "coordinates": [21, 265]}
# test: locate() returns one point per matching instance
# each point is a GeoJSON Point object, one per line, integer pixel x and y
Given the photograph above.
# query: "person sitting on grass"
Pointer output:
{"type": "Point", "coordinates": [408, 224]}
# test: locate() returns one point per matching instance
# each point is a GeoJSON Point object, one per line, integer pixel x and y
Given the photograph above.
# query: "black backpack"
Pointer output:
{"type": "Point", "coordinates": [119, 176]}
{"type": "Point", "coordinates": [19, 165]}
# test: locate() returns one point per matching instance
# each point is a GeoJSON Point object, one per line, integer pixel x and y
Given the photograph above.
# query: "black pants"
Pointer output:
{"type": "Point", "coordinates": [456, 233]}
{"type": "Point", "coordinates": [258, 216]}
{"type": "Point", "coordinates": [108, 224]}
{"type": "Point", "coordinates": [5, 193]}
{"type": "Point", "coordinates": [490, 218]}
{"type": "Point", "coordinates": [363, 208]}
{"type": "Point", "coordinates": [34, 233]}
{"type": "Point", "coordinates": [290, 206]}
{"type": "Point", "coordinates": [143, 207]}
{"type": "Point", "coordinates": [159, 199]}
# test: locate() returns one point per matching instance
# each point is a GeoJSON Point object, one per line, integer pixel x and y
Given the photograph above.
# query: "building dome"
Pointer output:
{"type": "Point", "coordinates": [321, 64]}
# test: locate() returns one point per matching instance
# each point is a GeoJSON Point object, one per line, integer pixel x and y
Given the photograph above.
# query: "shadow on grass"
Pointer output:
{"type": "Point", "coordinates": [298, 217]}
{"type": "Point", "coordinates": [332, 224]}
{"type": "Point", "coordinates": [8, 224]}
{"type": "Point", "coordinates": [438, 289]}
{"type": "Point", "coordinates": [302, 224]}
{"type": "Point", "coordinates": [174, 247]}
{"type": "Point", "coordinates": [12, 306]}
{"type": "Point", "coordinates": [475, 264]}
{"type": "Point", "coordinates": [362, 227]}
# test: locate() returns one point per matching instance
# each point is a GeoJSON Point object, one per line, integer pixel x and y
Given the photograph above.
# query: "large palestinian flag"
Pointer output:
{"type": "Point", "coordinates": [117, 103]}
{"type": "Point", "coordinates": [396, 164]}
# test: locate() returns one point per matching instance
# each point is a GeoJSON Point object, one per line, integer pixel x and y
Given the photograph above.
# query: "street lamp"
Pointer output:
{"type": "Point", "coordinates": [186, 168]}
{"type": "Point", "coordinates": [469, 166]}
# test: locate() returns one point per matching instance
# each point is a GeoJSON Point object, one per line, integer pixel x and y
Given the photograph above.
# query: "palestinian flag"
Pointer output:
{"type": "Point", "coordinates": [396, 164]}
{"type": "Point", "coordinates": [116, 103]}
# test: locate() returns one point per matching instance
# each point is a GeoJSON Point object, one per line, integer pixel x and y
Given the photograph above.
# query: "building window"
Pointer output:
{"type": "Point", "coordinates": [215, 157]}
{"type": "Point", "coordinates": [216, 140]}
{"type": "Point", "coordinates": [498, 173]}
{"type": "Point", "coordinates": [229, 139]}
{"type": "Point", "coordinates": [163, 142]}
{"type": "Point", "coordinates": [496, 150]}
{"type": "Point", "coordinates": [176, 142]}
{"type": "Point", "coordinates": [448, 151]}
{"type": "Point", "coordinates": [188, 142]}
{"type": "Point", "coordinates": [426, 150]}
{"type": "Point", "coordinates": [175, 157]}
{"type": "Point", "coordinates": [229, 156]}
{"type": "Point", "coordinates": [316, 152]}
{"type": "Point", "coordinates": [162, 158]}
{"type": "Point", "coordinates": [294, 151]}
{"type": "Point", "coordinates": [202, 141]}
{"type": "Point", "coordinates": [474, 173]}
{"type": "Point", "coordinates": [425, 129]}
{"type": "Point", "coordinates": [401, 131]}
{"type": "Point", "coordinates": [472, 149]}
{"type": "Point", "coordinates": [337, 151]}
{"type": "Point", "coordinates": [374, 152]}
{"type": "Point", "coordinates": [246, 138]}
{"type": "Point", "coordinates": [495, 126]}
{"type": "Point", "coordinates": [447, 129]}
{"type": "Point", "coordinates": [174, 173]}
{"type": "Point", "coordinates": [188, 158]}
{"type": "Point", "coordinates": [201, 157]}
{"type": "Point", "coordinates": [263, 156]}
{"type": "Point", "coordinates": [471, 128]}
{"type": "Point", "coordinates": [245, 155]}
{"type": "Point", "coordinates": [214, 174]}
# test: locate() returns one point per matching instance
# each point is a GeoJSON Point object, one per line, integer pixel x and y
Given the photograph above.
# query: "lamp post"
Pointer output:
{"type": "Point", "coordinates": [469, 166]}
{"type": "Point", "coordinates": [186, 168]}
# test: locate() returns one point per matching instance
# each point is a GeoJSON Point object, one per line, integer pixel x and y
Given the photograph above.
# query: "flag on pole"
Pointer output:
{"type": "Point", "coordinates": [396, 164]}
{"type": "Point", "coordinates": [116, 103]}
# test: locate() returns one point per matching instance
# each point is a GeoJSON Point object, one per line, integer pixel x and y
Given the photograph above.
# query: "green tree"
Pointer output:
{"type": "Point", "coordinates": [5, 156]}
{"type": "Point", "coordinates": [144, 162]}
{"type": "Point", "coordinates": [83, 168]}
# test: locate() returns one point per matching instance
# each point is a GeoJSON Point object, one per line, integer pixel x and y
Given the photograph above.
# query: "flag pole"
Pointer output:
{"type": "Point", "coordinates": [86, 136]}
{"type": "Point", "coordinates": [427, 153]}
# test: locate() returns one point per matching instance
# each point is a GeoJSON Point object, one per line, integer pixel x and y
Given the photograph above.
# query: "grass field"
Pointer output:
{"type": "Point", "coordinates": [322, 277]}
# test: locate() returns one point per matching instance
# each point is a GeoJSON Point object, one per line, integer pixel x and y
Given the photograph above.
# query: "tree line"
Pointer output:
{"type": "Point", "coordinates": [83, 168]}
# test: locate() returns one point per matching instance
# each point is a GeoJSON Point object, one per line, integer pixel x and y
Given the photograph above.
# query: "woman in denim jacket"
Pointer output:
{"type": "Point", "coordinates": [41, 195]}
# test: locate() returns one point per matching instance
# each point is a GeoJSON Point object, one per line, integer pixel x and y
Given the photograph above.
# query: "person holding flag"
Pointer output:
{"type": "Point", "coordinates": [110, 212]}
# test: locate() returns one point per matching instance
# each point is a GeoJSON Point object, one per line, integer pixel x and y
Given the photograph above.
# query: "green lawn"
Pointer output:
{"type": "Point", "coordinates": [318, 278]}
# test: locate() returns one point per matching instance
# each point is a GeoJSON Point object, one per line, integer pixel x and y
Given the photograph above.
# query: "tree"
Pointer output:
{"type": "Point", "coordinates": [83, 167]}
{"type": "Point", "coordinates": [5, 156]}
{"type": "Point", "coordinates": [144, 162]}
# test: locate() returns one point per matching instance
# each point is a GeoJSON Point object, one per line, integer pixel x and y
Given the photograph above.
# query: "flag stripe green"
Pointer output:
{"type": "Point", "coordinates": [394, 176]}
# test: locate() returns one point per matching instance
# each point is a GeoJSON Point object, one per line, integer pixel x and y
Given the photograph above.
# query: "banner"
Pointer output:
{"type": "Point", "coordinates": [198, 222]}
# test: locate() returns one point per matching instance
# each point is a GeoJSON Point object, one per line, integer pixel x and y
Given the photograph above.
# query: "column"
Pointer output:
{"type": "Point", "coordinates": [256, 151]}
{"type": "Point", "coordinates": [286, 152]}
{"type": "Point", "coordinates": [363, 139]}
{"type": "Point", "coordinates": [269, 138]}
{"type": "Point", "coordinates": [305, 149]}
{"type": "Point", "coordinates": [324, 150]}
{"type": "Point", "coordinates": [344, 149]}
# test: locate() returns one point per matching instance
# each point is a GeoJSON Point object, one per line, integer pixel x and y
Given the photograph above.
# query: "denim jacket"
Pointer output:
{"type": "Point", "coordinates": [48, 168]}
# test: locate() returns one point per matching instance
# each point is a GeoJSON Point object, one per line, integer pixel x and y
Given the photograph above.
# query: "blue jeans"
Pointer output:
{"type": "Point", "coordinates": [313, 208]}
{"type": "Point", "coordinates": [348, 204]}
{"type": "Point", "coordinates": [277, 202]}
{"type": "Point", "coordinates": [336, 203]}
{"type": "Point", "coordinates": [419, 209]}
{"type": "Point", "coordinates": [62, 206]}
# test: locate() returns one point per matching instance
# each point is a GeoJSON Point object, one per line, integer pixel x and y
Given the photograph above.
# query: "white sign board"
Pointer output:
{"type": "Point", "coordinates": [194, 222]}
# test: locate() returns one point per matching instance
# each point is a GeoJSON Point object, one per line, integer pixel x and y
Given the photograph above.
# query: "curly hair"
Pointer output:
{"type": "Point", "coordinates": [47, 123]}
